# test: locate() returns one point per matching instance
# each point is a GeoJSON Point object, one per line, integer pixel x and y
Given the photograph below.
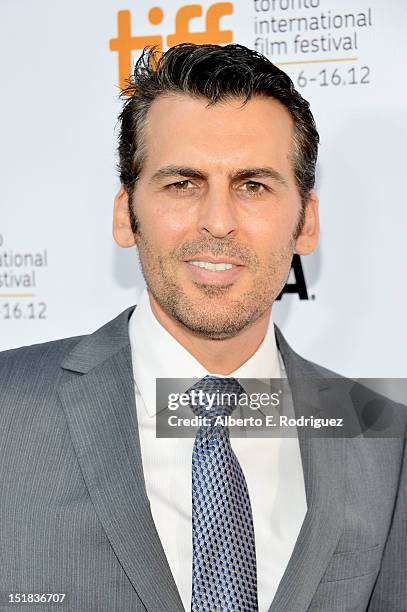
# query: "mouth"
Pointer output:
{"type": "Point", "coordinates": [214, 271]}
{"type": "Point", "coordinates": [209, 265]}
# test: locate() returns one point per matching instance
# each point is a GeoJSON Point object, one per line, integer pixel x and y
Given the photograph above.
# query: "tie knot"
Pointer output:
{"type": "Point", "coordinates": [213, 396]}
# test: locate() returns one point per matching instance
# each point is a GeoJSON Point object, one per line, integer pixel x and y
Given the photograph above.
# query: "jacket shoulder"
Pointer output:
{"type": "Point", "coordinates": [27, 363]}
{"type": "Point", "coordinates": [315, 370]}
{"type": "Point", "coordinates": [40, 364]}
{"type": "Point", "coordinates": [371, 400]}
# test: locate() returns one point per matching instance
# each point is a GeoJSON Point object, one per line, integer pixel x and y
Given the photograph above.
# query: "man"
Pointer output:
{"type": "Point", "coordinates": [217, 164]}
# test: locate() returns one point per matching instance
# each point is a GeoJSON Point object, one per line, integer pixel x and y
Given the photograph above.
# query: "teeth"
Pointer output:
{"type": "Point", "coordinates": [212, 266]}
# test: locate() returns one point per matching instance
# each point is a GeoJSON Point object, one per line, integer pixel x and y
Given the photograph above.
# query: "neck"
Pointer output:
{"type": "Point", "coordinates": [217, 356]}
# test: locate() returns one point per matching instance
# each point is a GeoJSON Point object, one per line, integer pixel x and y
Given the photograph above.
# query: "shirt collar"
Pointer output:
{"type": "Point", "coordinates": [157, 354]}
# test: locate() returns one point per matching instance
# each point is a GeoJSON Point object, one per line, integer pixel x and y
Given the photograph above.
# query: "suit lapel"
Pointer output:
{"type": "Point", "coordinates": [323, 461]}
{"type": "Point", "coordinates": [99, 403]}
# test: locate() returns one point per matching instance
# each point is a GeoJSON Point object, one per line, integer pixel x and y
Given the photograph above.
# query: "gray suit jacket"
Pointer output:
{"type": "Point", "coordinates": [75, 517]}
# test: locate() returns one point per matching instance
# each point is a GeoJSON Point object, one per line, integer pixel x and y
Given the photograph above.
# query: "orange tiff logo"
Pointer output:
{"type": "Point", "coordinates": [125, 43]}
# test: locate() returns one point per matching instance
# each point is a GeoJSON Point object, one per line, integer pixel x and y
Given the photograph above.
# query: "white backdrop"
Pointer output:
{"type": "Point", "coordinates": [60, 271]}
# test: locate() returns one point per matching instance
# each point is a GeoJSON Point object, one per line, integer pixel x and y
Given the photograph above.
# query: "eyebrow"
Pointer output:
{"type": "Point", "coordinates": [183, 171]}
{"type": "Point", "coordinates": [267, 172]}
{"type": "Point", "coordinates": [241, 174]}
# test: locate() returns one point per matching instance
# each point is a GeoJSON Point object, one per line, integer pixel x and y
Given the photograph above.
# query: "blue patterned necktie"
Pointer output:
{"type": "Point", "coordinates": [224, 577]}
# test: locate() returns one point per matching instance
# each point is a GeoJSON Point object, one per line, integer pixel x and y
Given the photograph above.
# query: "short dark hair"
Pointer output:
{"type": "Point", "coordinates": [217, 74]}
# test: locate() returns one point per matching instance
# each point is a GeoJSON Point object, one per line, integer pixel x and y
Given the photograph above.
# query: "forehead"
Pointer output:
{"type": "Point", "coordinates": [181, 129]}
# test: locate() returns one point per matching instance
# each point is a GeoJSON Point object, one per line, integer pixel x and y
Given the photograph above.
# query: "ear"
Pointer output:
{"type": "Point", "coordinates": [307, 239]}
{"type": "Point", "coordinates": [122, 232]}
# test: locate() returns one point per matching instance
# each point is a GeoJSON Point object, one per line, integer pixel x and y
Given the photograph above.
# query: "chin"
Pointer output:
{"type": "Point", "coordinates": [215, 323]}
{"type": "Point", "coordinates": [212, 311]}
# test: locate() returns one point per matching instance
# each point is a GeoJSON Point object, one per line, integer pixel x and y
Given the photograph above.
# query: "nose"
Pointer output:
{"type": "Point", "coordinates": [217, 212]}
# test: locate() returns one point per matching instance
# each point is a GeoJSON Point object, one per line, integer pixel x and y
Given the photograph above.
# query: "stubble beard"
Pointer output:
{"type": "Point", "coordinates": [215, 315]}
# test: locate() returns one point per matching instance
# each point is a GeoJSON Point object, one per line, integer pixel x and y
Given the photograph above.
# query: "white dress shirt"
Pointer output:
{"type": "Point", "coordinates": [272, 466]}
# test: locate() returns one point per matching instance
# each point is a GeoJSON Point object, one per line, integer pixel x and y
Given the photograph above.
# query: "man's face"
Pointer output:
{"type": "Point", "coordinates": [217, 187]}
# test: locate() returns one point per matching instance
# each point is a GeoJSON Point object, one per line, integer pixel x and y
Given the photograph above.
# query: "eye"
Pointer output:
{"type": "Point", "coordinates": [254, 188]}
{"type": "Point", "coordinates": [181, 185]}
